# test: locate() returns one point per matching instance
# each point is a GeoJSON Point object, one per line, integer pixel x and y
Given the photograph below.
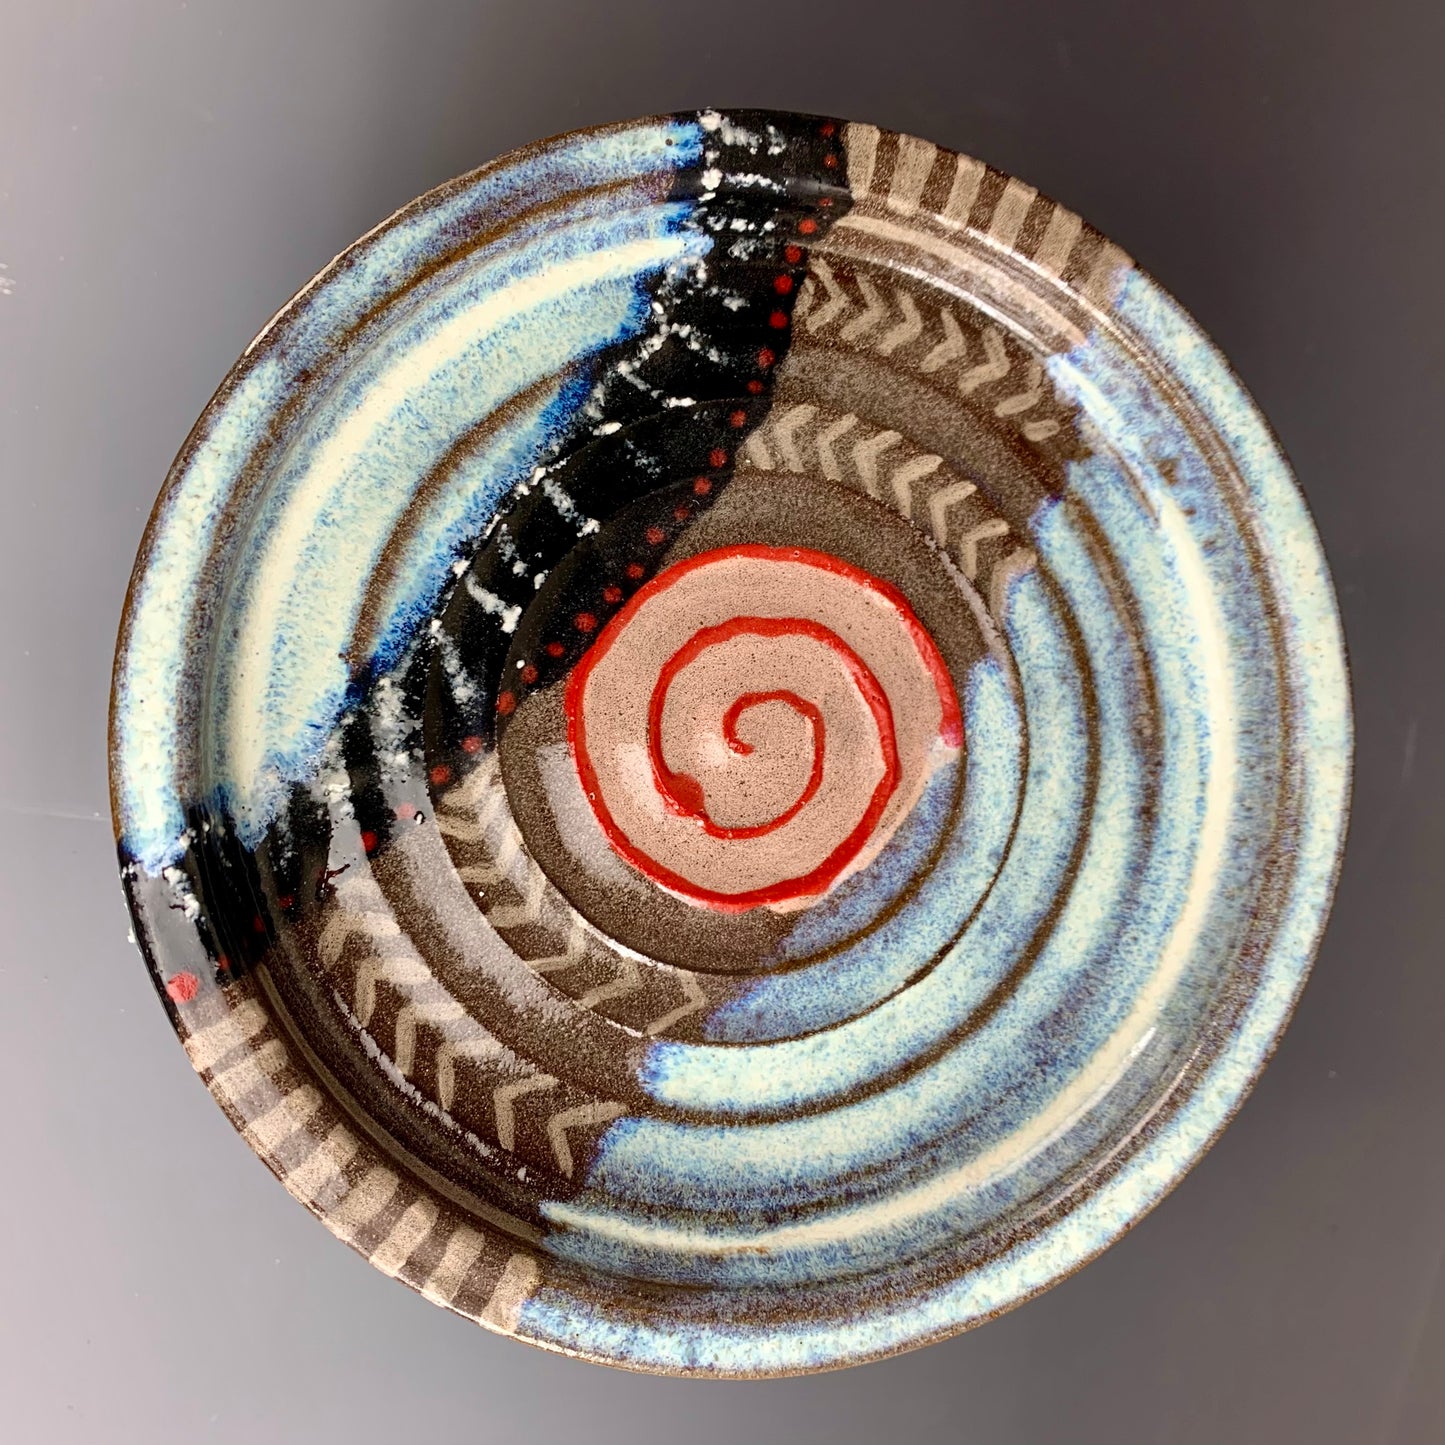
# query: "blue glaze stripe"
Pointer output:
{"type": "Point", "coordinates": [794, 1072]}
{"type": "Point", "coordinates": [784, 1005]}
{"type": "Point", "coordinates": [153, 707]}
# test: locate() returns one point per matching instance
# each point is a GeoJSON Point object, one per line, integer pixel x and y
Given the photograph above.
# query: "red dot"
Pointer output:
{"type": "Point", "coordinates": [224, 964]}
{"type": "Point", "coordinates": [287, 900]}
{"type": "Point", "coordinates": [654, 535]}
{"type": "Point", "coordinates": [778, 320]}
{"type": "Point", "coordinates": [830, 161]}
{"type": "Point", "coordinates": [755, 386]}
{"type": "Point", "coordinates": [827, 128]}
{"type": "Point", "coordinates": [634, 570]}
{"type": "Point", "coordinates": [369, 841]}
{"type": "Point", "coordinates": [472, 744]}
{"type": "Point", "coordinates": [702, 487]}
{"type": "Point", "coordinates": [793, 253]}
{"type": "Point", "coordinates": [183, 987]}
{"type": "Point", "coordinates": [555, 649]}
{"type": "Point", "coordinates": [680, 511]}
{"type": "Point", "coordinates": [738, 418]}
{"type": "Point", "coordinates": [585, 622]}
{"type": "Point", "coordinates": [258, 924]}
{"type": "Point", "coordinates": [529, 673]}
{"type": "Point", "coordinates": [405, 810]}
{"type": "Point", "coordinates": [807, 226]}
{"type": "Point", "coordinates": [440, 774]}
{"type": "Point", "coordinates": [609, 594]}
{"type": "Point", "coordinates": [766, 357]}
{"type": "Point", "coordinates": [716, 458]}
{"type": "Point", "coordinates": [782, 284]}
{"type": "Point", "coordinates": [506, 705]}
{"type": "Point", "coordinates": [825, 201]}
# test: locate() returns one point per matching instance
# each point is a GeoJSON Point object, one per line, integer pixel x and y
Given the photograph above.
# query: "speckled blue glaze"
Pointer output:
{"type": "Point", "coordinates": [936, 1086]}
{"type": "Point", "coordinates": [781, 1006]}
{"type": "Point", "coordinates": [365, 505]}
{"type": "Point", "coordinates": [1205, 629]}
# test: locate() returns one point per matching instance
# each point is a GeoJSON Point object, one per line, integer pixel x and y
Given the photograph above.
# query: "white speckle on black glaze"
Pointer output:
{"type": "Point", "coordinates": [340, 743]}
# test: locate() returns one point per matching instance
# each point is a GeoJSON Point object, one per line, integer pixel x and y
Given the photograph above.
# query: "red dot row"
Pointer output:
{"type": "Point", "coordinates": [586, 622]}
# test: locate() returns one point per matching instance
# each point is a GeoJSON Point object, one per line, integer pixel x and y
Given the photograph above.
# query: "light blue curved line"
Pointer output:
{"type": "Point", "coordinates": [790, 1073]}
{"type": "Point", "coordinates": [813, 997]}
{"type": "Point", "coordinates": [149, 712]}
{"type": "Point", "coordinates": [744, 1173]}
{"type": "Point", "coordinates": [1320, 697]}
{"type": "Point", "coordinates": [459, 512]}
{"type": "Point", "coordinates": [149, 709]}
{"type": "Point", "coordinates": [384, 263]}
{"type": "Point", "coordinates": [366, 504]}
{"type": "Point", "coordinates": [343, 379]}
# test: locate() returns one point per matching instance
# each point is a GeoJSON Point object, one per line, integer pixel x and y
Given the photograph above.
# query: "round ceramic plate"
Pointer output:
{"type": "Point", "coordinates": [730, 743]}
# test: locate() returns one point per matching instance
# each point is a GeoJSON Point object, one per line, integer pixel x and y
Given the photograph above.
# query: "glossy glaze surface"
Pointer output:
{"type": "Point", "coordinates": [730, 743]}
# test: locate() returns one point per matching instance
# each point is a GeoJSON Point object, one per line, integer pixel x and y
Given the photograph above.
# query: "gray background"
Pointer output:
{"type": "Point", "coordinates": [171, 173]}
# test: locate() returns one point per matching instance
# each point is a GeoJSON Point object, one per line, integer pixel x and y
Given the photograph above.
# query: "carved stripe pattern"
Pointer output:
{"type": "Point", "coordinates": [908, 177]}
{"type": "Point", "coordinates": [400, 1226]}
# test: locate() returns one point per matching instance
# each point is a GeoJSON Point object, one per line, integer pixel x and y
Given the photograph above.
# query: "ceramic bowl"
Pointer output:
{"type": "Point", "coordinates": [730, 743]}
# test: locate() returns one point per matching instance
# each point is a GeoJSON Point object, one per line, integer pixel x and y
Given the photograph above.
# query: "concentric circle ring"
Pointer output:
{"type": "Point", "coordinates": [707, 595]}
{"type": "Point", "coordinates": [763, 707]}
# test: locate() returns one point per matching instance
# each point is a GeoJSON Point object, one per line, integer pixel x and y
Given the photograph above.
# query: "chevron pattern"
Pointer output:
{"type": "Point", "coordinates": [522, 905]}
{"type": "Point", "coordinates": [426, 1032]}
{"type": "Point", "coordinates": [584, 1116]}
{"type": "Point", "coordinates": [386, 957]}
{"type": "Point", "coordinates": [475, 1051]}
{"type": "Point", "coordinates": [361, 938]}
{"type": "Point", "coordinates": [504, 1099]}
{"type": "Point", "coordinates": [841, 304]}
{"type": "Point", "coordinates": [804, 438]}
{"type": "Point", "coordinates": [561, 1124]}
{"type": "Point", "coordinates": [475, 819]}
{"type": "Point", "coordinates": [693, 1000]}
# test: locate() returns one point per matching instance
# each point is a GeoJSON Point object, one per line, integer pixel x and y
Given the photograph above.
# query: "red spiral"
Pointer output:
{"type": "Point", "coordinates": [675, 855]}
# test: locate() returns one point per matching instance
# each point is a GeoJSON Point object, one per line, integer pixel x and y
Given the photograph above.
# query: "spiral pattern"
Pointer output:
{"type": "Point", "coordinates": [764, 708]}
{"type": "Point", "coordinates": [849, 784]}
